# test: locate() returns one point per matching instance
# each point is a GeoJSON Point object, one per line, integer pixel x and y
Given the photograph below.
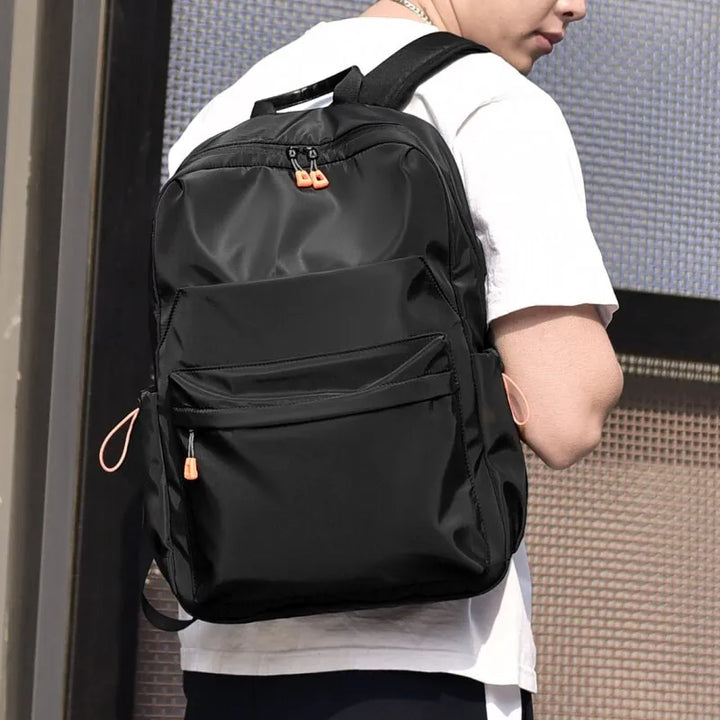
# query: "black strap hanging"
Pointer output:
{"type": "Point", "coordinates": [163, 622]}
{"type": "Point", "coordinates": [154, 616]}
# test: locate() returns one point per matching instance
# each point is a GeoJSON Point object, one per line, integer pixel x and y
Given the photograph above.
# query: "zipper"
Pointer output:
{"type": "Point", "coordinates": [202, 151]}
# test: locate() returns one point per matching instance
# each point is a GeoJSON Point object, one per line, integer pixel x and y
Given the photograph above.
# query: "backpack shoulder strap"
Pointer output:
{"type": "Point", "coordinates": [394, 81]}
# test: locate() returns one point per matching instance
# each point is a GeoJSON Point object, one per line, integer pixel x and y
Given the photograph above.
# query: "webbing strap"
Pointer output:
{"type": "Point", "coordinates": [394, 81]}
{"type": "Point", "coordinates": [163, 622]}
{"type": "Point", "coordinates": [154, 616]}
{"type": "Point", "coordinates": [269, 106]}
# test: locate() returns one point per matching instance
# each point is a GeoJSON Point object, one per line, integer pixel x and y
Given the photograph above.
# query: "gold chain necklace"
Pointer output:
{"type": "Point", "coordinates": [418, 11]}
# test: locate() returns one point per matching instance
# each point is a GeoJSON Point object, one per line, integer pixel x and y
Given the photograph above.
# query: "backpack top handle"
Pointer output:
{"type": "Point", "coordinates": [269, 106]}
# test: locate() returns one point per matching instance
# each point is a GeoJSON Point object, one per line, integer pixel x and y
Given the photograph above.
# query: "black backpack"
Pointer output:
{"type": "Point", "coordinates": [328, 429]}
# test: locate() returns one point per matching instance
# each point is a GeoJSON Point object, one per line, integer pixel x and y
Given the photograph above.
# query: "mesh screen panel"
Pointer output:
{"type": "Point", "coordinates": [627, 611]}
{"type": "Point", "coordinates": [640, 85]}
{"type": "Point", "coordinates": [623, 548]}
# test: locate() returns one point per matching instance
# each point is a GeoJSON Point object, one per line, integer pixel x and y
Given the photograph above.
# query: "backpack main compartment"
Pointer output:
{"type": "Point", "coordinates": [322, 357]}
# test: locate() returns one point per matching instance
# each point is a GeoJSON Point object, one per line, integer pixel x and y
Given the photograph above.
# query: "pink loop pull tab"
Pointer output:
{"type": "Point", "coordinates": [129, 418]}
{"type": "Point", "coordinates": [519, 405]}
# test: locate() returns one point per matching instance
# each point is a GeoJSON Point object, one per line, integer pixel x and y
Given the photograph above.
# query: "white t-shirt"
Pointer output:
{"type": "Point", "coordinates": [526, 194]}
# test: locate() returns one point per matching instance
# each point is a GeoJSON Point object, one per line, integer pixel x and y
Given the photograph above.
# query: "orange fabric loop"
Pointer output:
{"type": "Point", "coordinates": [129, 418]}
{"type": "Point", "coordinates": [518, 402]}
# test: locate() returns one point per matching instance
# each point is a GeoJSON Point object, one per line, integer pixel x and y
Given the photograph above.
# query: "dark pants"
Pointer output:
{"type": "Point", "coordinates": [346, 695]}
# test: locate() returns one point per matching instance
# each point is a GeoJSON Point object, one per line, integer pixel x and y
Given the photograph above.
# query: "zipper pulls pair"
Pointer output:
{"type": "Point", "coordinates": [316, 178]}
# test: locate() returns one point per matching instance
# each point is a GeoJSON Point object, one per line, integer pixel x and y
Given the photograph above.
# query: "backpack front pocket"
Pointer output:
{"type": "Point", "coordinates": [299, 459]}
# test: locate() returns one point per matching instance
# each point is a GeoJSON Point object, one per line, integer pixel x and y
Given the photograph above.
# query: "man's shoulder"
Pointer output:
{"type": "Point", "coordinates": [486, 80]}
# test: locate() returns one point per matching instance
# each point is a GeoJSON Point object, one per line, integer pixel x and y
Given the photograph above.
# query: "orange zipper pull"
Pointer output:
{"type": "Point", "coordinates": [319, 181]}
{"type": "Point", "coordinates": [318, 177]}
{"type": "Point", "coordinates": [302, 177]}
{"type": "Point", "coordinates": [191, 469]}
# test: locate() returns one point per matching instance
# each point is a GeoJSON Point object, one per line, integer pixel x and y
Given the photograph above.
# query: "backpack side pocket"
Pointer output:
{"type": "Point", "coordinates": [156, 520]}
{"type": "Point", "coordinates": [502, 448]}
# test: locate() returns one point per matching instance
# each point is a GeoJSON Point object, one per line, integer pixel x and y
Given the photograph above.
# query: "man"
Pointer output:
{"type": "Point", "coordinates": [549, 300]}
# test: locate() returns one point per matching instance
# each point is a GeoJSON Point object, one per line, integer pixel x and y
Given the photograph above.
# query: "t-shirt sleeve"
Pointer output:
{"type": "Point", "coordinates": [527, 198]}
